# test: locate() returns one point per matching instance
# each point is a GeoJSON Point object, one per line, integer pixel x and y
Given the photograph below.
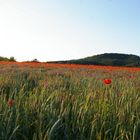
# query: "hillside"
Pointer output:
{"type": "Point", "coordinates": [108, 59]}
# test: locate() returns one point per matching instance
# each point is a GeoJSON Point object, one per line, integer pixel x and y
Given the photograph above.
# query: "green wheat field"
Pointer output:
{"type": "Point", "coordinates": [69, 103]}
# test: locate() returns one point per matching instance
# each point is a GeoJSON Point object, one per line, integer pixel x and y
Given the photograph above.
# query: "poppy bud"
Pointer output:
{"type": "Point", "coordinates": [10, 103]}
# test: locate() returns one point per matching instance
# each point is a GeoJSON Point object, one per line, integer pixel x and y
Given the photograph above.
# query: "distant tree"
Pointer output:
{"type": "Point", "coordinates": [12, 58]}
{"type": "Point", "coordinates": [35, 60]}
{"type": "Point", "coordinates": [3, 58]}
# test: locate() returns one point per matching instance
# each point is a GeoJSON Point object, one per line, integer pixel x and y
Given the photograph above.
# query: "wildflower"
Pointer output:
{"type": "Point", "coordinates": [10, 103]}
{"type": "Point", "coordinates": [131, 76]}
{"type": "Point", "coordinates": [107, 81]}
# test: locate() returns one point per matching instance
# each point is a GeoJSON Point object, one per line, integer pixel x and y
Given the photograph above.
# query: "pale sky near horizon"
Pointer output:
{"type": "Point", "coordinates": [68, 29]}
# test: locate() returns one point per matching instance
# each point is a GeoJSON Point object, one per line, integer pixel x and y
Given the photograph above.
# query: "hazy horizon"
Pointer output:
{"type": "Point", "coordinates": [35, 59]}
{"type": "Point", "coordinates": [68, 29]}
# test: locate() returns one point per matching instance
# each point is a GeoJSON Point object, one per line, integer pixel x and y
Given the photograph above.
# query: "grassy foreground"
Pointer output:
{"type": "Point", "coordinates": [58, 103]}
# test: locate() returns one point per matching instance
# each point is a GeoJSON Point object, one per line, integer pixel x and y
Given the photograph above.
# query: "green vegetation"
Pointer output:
{"type": "Point", "coordinates": [7, 59]}
{"type": "Point", "coordinates": [68, 104]}
{"type": "Point", "coordinates": [109, 59]}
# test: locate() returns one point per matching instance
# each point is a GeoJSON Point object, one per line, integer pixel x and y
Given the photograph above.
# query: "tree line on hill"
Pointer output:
{"type": "Point", "coordinates": [12, 59]}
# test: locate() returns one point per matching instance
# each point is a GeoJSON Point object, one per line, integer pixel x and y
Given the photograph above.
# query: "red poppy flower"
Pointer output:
{"type": "Point", "coordinates": [131, 77]}
{"type": "Point", "coordinates": [107, 81]}
{"type": "Point", "coordinates": [10, 103]}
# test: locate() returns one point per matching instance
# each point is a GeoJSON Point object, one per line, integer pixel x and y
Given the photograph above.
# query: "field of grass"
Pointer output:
{"type": "Point", "coordinates": [68, 102]}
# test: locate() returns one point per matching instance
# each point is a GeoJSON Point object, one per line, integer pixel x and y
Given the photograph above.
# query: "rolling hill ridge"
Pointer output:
{"type": "Point", "coordinates": [107, 59]}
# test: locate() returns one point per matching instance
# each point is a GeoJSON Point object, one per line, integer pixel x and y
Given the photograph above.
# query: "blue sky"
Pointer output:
{"type": "Point", "coordinates": [68, 29]}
